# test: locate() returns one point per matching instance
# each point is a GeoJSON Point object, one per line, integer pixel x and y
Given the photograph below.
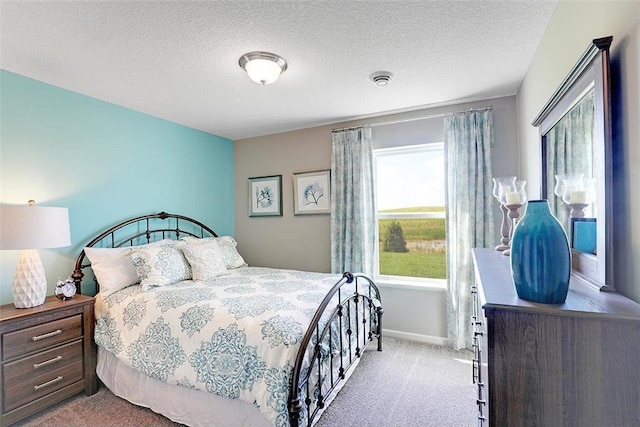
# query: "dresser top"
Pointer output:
{"type": "Point", "coordinates": [493, 271]}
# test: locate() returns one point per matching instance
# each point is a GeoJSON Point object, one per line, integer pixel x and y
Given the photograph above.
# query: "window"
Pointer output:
{"type": "Point", "coordinates": [410, 191]}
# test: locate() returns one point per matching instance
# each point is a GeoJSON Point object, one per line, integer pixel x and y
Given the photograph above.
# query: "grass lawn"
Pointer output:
{"type": "Point", "coordinates": [414, 264]}
{"type": "Point", "coordinates": [424, 237]}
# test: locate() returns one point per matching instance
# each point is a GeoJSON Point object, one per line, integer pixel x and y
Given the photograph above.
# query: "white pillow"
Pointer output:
{"type": "Point", "coordinates": [205, 259]}
{"type": "Point", "coordinates": [160, 265]}
{"type": "Point", "coordinates": [112, 267]}
{"type": "Point", "coordinates": [232, 259]}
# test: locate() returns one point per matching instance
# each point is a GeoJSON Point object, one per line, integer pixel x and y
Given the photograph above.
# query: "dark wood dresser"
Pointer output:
{"type": "Point", "coordinates": [48, 355]}
{"type": "Point", "coordinates": [541, 365]}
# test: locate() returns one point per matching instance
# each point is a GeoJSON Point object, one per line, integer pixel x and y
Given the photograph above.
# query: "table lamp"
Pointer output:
{"type": "Point", "coordinates": [29, 228]}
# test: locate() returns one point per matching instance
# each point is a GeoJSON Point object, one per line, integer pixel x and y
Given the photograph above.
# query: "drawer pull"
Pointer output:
{"type": "Point", "coordinates": [49, 335]}
{"type": "Point", "coordinates": [48, 383]}
{"type": "Point", "coordinates": [47, 362]}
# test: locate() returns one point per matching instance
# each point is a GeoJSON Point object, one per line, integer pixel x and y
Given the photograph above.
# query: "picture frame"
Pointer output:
{"type": "Point", "coordinates": [312, 192]}
{"type": "Point", "coordinates": [265, 196]}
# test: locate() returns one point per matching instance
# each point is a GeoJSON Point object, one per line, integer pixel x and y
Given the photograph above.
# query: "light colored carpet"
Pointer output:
{"type": "Point", "coordinates": [408, 384]}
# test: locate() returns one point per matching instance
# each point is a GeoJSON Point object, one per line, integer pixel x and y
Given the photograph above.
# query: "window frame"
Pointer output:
{"type": "Point", "coordinates": [405, 281]}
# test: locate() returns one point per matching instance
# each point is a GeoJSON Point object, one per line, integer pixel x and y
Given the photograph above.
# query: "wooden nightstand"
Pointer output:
{"type": "Point", "coordinates": [47, 353]}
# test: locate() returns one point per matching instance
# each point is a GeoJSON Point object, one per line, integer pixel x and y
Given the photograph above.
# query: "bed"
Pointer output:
{"type": "Point", "coordinates": [185, 327]}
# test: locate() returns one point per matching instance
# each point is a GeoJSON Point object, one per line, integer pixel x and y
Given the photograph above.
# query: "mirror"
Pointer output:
{"type": "Point", "coordinates": [576, 164]}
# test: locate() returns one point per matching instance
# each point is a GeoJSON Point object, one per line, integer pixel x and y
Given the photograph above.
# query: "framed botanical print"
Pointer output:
{"type": "Point", "coordinates": [265, 196]}
{"type": "Point", "coordinates": [312, 192]}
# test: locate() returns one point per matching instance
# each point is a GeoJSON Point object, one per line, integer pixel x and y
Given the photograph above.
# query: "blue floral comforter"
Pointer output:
{"type": "Point", "coordinates": [236, 335]}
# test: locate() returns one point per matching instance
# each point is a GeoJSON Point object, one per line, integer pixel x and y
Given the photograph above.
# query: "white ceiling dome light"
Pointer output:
{"type": "Point", "coordinates": [263, 67]}
{"type": "Point", "coordinates": [381, 78]}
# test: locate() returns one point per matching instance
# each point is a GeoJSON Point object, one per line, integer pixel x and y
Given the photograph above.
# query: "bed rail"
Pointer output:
{"type": "Point", "coordinates": [356, 319]}
{"type": "Point", "coordinates": [147, 228]}
{"type": "Point", "coordinates": [347, 320]}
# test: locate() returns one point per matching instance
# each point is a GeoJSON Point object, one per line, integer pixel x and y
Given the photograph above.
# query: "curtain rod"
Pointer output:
{"type": "Point", "coordinates": [490, 107]}
{"type": "Point", "coordinates": [411, 119]}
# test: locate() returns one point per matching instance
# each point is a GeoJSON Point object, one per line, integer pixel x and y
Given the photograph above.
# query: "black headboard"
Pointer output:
{"type": "Point", "coordinates": [141, 230]}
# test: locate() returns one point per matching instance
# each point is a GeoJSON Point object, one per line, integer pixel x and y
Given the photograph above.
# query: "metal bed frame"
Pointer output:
{"type": "Point", "coordinates": [353, 318]}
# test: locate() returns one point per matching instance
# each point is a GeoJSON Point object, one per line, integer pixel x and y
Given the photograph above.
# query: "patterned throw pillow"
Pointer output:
{"type": "Point", "coordinates": [205, 259]}
{"type": "Point", "coordinates": [112, 266]}
{"type": "Point", "coordinates": [160, 265]}
{"type": "Point", "coordinates": [232, 259]}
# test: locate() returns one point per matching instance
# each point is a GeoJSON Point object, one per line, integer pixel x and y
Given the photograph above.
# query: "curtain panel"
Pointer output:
{"type": "Point", "coordinates": [570, 150]}
{"type": "Point", "coordinates": [468, 138]}
{"type": "Point", "coordinates": [353, 213]}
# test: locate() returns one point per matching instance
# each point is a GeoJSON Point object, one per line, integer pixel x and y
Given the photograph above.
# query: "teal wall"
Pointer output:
{"type": "Point", "coordinates": [106, 164]}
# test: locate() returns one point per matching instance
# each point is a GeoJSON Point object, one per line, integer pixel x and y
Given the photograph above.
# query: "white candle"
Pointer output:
{"type": "Point", "coordinates": [512, 198]}
{"type": "Point", "coordinates": [578, 196]}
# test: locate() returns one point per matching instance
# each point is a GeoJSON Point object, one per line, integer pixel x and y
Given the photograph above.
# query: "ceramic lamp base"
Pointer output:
{"type": "Point", "coordinates": [29, 281]}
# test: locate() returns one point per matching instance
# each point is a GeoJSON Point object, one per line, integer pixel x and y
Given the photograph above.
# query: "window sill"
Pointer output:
{"type": "Point", "coordinates": [434, 285]}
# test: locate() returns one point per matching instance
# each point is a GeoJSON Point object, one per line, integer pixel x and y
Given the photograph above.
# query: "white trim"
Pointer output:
{"type": "Point", "coordinates": [429, 339]}
{"type": "Point", "coordinates": [408, 149]}
{"type": "Point", "coordinates": [432, 285]}
{"type": "Point", "coordinates": [411, 215]}
{"type": "Point", "coordinates": [393, 281]}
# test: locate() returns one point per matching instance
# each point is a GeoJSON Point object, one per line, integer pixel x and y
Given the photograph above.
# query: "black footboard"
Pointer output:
{"type": "Point", "coordinates": [349, 317]}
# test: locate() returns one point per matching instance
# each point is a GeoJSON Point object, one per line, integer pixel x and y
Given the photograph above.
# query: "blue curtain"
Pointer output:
{"type": "Point", "coordinates": [353, 224]}
{"type": "Point", "coordinates": [468, 138]}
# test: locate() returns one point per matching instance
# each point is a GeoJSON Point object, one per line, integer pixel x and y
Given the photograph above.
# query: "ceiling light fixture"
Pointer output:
{"type": "Point", "coordinates": [263, 67]}
{"type": "Point", "coordinates": [381, 78]}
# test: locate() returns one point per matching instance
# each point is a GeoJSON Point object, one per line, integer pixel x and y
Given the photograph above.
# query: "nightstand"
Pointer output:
{"type": "Point", "coordinates": [47, 353]}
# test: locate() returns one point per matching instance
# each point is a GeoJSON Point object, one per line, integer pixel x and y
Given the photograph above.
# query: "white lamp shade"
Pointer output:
{"type": "Point", "coordinates": [34, 227]}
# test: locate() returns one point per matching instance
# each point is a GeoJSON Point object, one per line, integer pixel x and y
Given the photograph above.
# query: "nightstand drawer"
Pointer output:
{"type": "Point", "coordinates": [39, 364]}
{"type": "Point", "coordinates": [47, 353]}
{"type": "Point", "coordinates": [42, 385]}
{"type": "Point", "coordinates": [32, 339]}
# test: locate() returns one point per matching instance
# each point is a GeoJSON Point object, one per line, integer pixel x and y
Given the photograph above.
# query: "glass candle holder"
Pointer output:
{"type": "Point", "coordinates": [561, 181]}
{"type": "Point", "coordinates": [576, 192]}
{"type": "Point", "coordinates": [513, 196]}
{"type": "Point", "coordinates": [502, 181]}
{"type": "Point", "coordinates": [505, 228]}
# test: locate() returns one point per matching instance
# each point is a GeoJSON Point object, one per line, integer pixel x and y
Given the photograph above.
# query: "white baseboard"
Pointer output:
{"type": "Point", "coordinates": [429, 339]}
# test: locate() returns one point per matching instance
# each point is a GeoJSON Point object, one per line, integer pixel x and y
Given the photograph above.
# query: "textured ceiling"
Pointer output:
{"type": "Point", "coordinates": [179, 60]}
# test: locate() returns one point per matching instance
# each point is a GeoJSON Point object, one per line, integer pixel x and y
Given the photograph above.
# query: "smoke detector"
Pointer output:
{"type": "Point", "coordinates": [381, 78]}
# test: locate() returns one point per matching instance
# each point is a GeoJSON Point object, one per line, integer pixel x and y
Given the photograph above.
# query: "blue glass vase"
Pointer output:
{"type": "Point", "coordinates": [540, 256]}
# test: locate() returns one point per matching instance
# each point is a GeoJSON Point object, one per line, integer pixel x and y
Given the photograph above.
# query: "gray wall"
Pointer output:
{"type": "Point", "coordinates": [573, 25]}
{"type": "Point", "coordinates": [303, 242]}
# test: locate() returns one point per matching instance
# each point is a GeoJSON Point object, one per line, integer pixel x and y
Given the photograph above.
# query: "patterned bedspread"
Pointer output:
{"type": "Point", "coordinates": [236, 335]}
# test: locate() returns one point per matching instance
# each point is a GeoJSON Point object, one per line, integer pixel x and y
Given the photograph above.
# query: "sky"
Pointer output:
{"type": "Point", "coordinates": [412, 179]}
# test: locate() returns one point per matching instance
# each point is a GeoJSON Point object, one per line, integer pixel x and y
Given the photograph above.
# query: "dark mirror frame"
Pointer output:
{"type": "Point", "coordinates": [591, 70]}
